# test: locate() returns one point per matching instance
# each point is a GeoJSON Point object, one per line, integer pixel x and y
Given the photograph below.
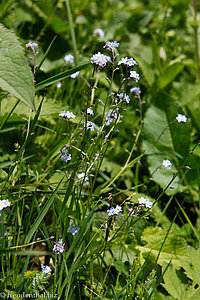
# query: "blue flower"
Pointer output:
{"type": "Point", "coordinates": [167, 164]}
{"type": "Point", "coordinates": [128, 62]}
{"type": "Point", "coordinates": [74, 75]}
{"type": "Point", "coordinates": [74, 230]}
{"type": "Point", "coordinates": [90, 125]}
{"type": "Point", "coordinates": [111, 116]}
{"type": "Point", "coordinates": [100, 59]}
{"type": "Point", "coordinates": [31, 46]}
{"type": "Point", "coordinates": [126, 99]}
{"type": "Point", "coordinates": [82, 175]}
{"type": "Point", "coordinates": [114, 211]}
{"type": "Point", "coordinates": [67, 115]}
{"type": "Point", "coordinates": [4, 204]}
{"type": "Point", "coordinates": [69, 58]}
{"type": "Point", "coordinates": [46, 270]}
{"type": "Point", "coordinates": [136, 91]}
{"type": "Point", "coordinates": [65, 156]}
{"type": "Point", "coordinates": [90, 111]}
{"type": "Point", "coordinates": [181, 118]}
{"type": "Point", "coordinates": [110, 212]}
{"type": "Point", "coordinates": [135, 75]}
{"type": "Point", "coordinates": [146, 202]}
{"type": "Point", "coordinates": [59, 247]}
{"type": "Point", "coordinates": [111, 45]}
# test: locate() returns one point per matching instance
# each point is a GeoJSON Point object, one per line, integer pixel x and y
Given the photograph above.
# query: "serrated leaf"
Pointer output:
{"type": "Point", "coordinates": [170, 73]}
{"type": "Point", "coordinates": [192, 265]}
{"type": "Point", "coordinates": [172, 248]}
{"type": "Point", "coordinates": [15, 75]}
{"type": "Point", "coordinates": [175, 282]}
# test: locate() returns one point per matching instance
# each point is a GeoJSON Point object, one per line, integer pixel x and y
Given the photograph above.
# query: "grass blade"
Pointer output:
{"type": "Point", "coordinates": [45, 55]}
{"type": "Point", "coordinates": [54, 79]}
{"type": "Point", "coordinates": [42, 214]}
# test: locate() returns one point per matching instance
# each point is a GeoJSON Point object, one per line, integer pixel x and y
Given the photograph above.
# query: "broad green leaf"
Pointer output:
{"type": "Point", "coordinates": [172, 248]}
{"type": "Point", "coordinates": [192, 265]}
{"type": "Point", "coordinates": [173, 144]}
{"type": "Point", "coordinates": [184, 285]}
{"type": "Point", "coordinates": [170, 73]}
{"type": "Point", "coordinates": [15, 74]}
{"type": "Point", "coordinates": [175, 282]}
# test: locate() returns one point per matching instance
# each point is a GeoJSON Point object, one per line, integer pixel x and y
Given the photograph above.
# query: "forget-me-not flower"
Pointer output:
{"type": "Point", "coordinates": [167, 164]}
{"type": "Point", "coordinates": [46, 270]}
{"type": "Point", "coordinates": [59, 247]}
{"type": "Point", "coordinates": [69, 58]}
{"type": "Point", "coordinates": [67, 115]}
{"type": "Point", "coordinates": [74, 75]}
{"type": "Point", "coordinates": [4, 203]}
{"type": "Point", "coordinates": [74, 230]}
{"type": "Point", "coordinates": [90, 125]}
{"type": "Point", "coordinates": [135, 76]}
{"type": "Point", "coordinates": [31, 46]}
{"type": "Point", "coordinates": [181, 118]}
{"type": "Point", "coordinates": [111, 45]}
{"type": "Point", "coordinates": [65, 156]}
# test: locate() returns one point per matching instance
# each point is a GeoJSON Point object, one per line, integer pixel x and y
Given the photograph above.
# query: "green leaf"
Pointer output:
{"type": "Point", "coordinates": [15, 74]}
{"type": "Point", "coordinates": [120, 266]}
{"type": "Point", "coordinates": [172, 248]}
{"type": "Point", "coordinates": [170, 73]}
{"type": "Point", "coordinates": [147, 70]}
{"type": "Point", "coordinates": [192, 265]}
{"type": "Point", "coordinates": [175, 282]}
{"type": "Point", "coordinates": [173, 144]}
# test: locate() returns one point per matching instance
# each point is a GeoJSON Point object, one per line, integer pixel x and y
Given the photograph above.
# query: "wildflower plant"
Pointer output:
{"type": "Point", "coordinates": [65, 194]}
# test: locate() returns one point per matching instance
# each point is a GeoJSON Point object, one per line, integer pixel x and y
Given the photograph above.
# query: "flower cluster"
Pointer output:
{"type": "Point", "coordinates": [46, 270]}
{"type": "Point", "coordinates": [111, 116]}
{"type": "Point", "coordinates": [65, 156]}
{"type": "Point", "coordinates": [111, 45]}
{"type": "Point", "coordinates": [74, 230]}
{"type": "Point", "coordinates": [69, 58]}
{"type": "Point", "coordinates": [146, 202]}
{"type": "Point", "coordinates": [167, 164]}
{"type": "Point", "coordinates": [90, 125]}
{"type": "Point", "coordinates": [114, 211]}
{"type": "Point", "coordinates": [82, 176]}
{"type": "Point", "coordinates": [124, 97]}
{"type": "Point", "coordinates": [4, 203]}
{"type": "Point", "coordinates": [128, 62]}
{"type": "Point", "coordinates": [181, 118]}
{"type": "Point", "coordinates": [100, 59]}
{"type": "Point", "coordinates": [31, 46]}
{"type": "Point", "coordinates": [135, 91]}
{"type": "Point", "coordinates": [135, 75]}
{"type": "Point", "coordinates": [59, 247]}
{"type": "Point", "coordinates": [67, 115]}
